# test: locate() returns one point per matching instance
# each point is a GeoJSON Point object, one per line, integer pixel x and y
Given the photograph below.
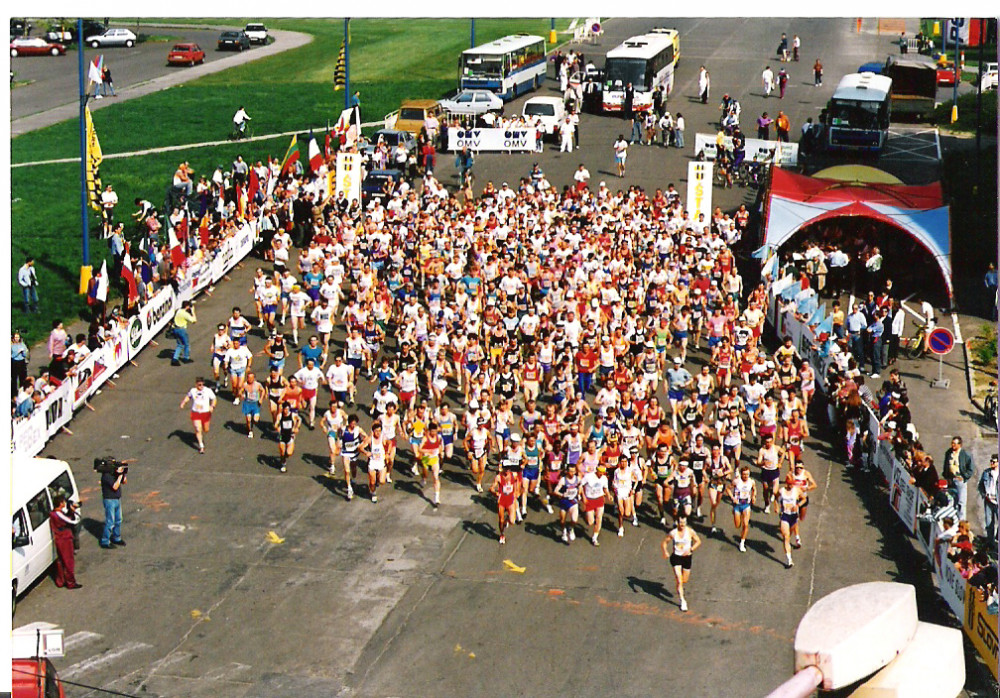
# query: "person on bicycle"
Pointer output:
{"type": "Point", "coordinates": [739, 148]}
{"type": "Point", "coordinates": [240, 119]}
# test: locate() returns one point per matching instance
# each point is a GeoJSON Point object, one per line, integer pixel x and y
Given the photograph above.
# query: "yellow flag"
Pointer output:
{"type": "Point", "coordinates": [94, 159]}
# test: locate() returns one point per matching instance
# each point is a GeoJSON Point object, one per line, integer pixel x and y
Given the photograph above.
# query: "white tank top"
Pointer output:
{"type": "Point", "coordinates": [682, 541]}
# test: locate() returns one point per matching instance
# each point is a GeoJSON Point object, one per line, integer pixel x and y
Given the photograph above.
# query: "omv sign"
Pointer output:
{"type": "Point", "coordinates": [495, 139]}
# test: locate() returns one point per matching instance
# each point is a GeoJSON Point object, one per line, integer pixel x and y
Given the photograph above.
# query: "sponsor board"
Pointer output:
{"type": "Point", "coordinates": [480, 139]}
{"type": "Point", "coordinates": [756, 149]}
{"type": "Point", "coordinates": [903, 497]}
{"type": "Point", "coordinates": [981, 627]}
{"type": "Point", "coordinates": [951, 584]}
{"type": "Point", "coordinates": [347, 177]}
{"type": "Point", "coordinates": [699, 190]}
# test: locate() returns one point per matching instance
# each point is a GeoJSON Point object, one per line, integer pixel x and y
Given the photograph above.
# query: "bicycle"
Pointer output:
{"type": "Point", "coordinates": [990, 404]}
{"type": "Point", "coordinates": [245, 134]}
{"type": "Point", "coordinates": [916, 346]}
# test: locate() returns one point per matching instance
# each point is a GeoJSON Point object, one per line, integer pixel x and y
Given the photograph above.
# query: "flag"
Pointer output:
{"type": "Point", "coordinates": [340, 70]}
{"type": "Point", "coordinates": [146, 271]}
{"type": "Point", "coordinates": [96, 72]}
{"type": "Point", "coordinates": [101, 287]}
{"type": "Point", "coordinates": [817, 317]}
{"type": "Point", "coordinates": [94, 159]}
{"type": "Point", "coordinates": [825, 327]}
{"type": "Point", "coordinates": [133, 291]}
{"type": "Point", "coordinates": [326, 146]}
{"type": "Point", "coordinates": [291, 155]}
{"type": "Point", "coordinates": [203, 231]}
{"type": "Point", "coordinates": [349, 125]}
{"type": "Point", "coordinates": [315, 157]}
{"type": "Point", "coordinates": [761, 252]}
{"type": "Point", "coordinates": [176, 251]}
{"type": "Point", "coordinates": [790, 290]}
{"type": "Point", "coordinates": [253, 185]}
{"type": "Point", "coordinates": [807, 304]}
{"type": "Point", "coordinates": [770, 268]}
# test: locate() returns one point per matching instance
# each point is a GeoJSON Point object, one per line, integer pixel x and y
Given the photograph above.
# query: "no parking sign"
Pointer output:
{"type": "Point", "coordinates": [940, 341]}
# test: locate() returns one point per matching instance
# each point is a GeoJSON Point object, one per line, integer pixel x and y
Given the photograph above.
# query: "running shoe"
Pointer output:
{"type": "Point", "coordinates": [388, 479]}
{"type": "Point", "coordinates": [284, 469]}
{"type": "Point", "coordinates": [250, 435]}
{"type": "Point", "coordinates": [503, 539]}
{"type": "Point", "coordinates": [684, 605]}
{"type": "Point", "coordinates": [479, 488]}
{"type": "Point", "coordinates": [548, 508]}
{"type": "Point", "coordinates": [565, 536]}
{"type": "Point", "coordinates": [621, 531]}
{"type": "Point", "coordinates": [594, 541]}
{"type": "Point", "coordinates": [635, 521]}
{"type": "Point", "coordinates": [789, 563]}
{"type": "Point", "coordinates": [743, 546]}
{"type": "Point", "coordinates": [350, 494]}
{"type": "Point", "coordinates": [236, 401]}
{"type": "Point", "coordinates": [374, 499]}
{"type": "Point", "coordinates": [201, 449]}
{"type": "Point", "coordinates": [572, 534]}
{"type": "Point", "coordinates": [714, 530]}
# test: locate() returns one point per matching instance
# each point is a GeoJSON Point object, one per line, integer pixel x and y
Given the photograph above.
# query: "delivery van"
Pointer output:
{"type": "Point", "coordinates": [35, 482]}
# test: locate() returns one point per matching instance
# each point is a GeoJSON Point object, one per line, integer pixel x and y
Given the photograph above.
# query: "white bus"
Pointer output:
{"type": "Point", "coordinates": [647, 62]}
{"type": "Point", "coordinates": [857, 116]}
{"type": "Point", "coordinates": [509, 66]}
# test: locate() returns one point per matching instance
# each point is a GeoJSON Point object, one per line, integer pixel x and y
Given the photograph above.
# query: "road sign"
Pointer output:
{"type": "Point", "coordinates": [940, 341]}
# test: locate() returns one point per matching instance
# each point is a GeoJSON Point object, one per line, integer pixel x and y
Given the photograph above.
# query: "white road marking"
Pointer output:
{"type": "Point", "coordinates": [80, 638]}
{"type": "Point", "coordinates": [100, 660]}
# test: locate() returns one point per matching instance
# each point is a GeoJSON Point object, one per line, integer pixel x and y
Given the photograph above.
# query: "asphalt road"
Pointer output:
{"type": "Point", "coordinates": [399, 599]}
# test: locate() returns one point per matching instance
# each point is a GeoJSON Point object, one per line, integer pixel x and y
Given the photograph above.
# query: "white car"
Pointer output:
{"type": "Point", "coordinates": [989, 79]}
{"type": "Point", "coordinates": [550, 110]}
{"type": "Point", "coordinates": [113, 37]}
{"type": "Point", "coordinates": [472, 103]}
{"type": "Point", "coordinates": [256, 32]}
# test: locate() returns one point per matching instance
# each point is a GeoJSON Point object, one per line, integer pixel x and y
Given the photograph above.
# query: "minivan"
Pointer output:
{"type": "Point", "coordinates": [35, 483]}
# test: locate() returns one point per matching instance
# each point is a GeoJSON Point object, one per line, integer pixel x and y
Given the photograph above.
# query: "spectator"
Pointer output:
{"type": "Point", "coordinates": [987, 489]}
{"type": "Point", "coordinates": [19, 354]}
{"type": "Point", "coordinates": [679, 130]}
{"type": "Point", "coordinates": [27, 279]}
{"type": "Point", "coordinates": [106, 83]}
{"type": "Point", "coordinates": [57, 339]}
{"type": "Point", "coordinates": [990, 281]}
{"type": "Point", "coordinates": [182, 318]}
{"type": "Point", "coordinates": [782, 125]}
{"type": "Point", "coordinates": [958, 470]}
{"type": "Point", "coordinates": [764, 127]}
{"type": "Point", "coordinates": [817, 74]}
{"type": "Point", "coordinates": [109, 199]}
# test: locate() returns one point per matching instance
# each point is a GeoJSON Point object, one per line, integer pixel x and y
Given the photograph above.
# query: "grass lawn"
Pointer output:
{"type": "Point", "coordinates": [391, 60]}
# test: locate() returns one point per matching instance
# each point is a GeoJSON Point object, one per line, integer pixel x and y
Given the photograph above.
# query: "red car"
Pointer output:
{"type": "Point", "coordinates": [35, 46]}
{"type": "Point", "coordinates": [185, 54]}
{"type": "Point", "coordinates": [946, 74]}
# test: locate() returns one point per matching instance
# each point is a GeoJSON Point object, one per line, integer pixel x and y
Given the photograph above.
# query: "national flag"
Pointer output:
{"type": "Point", "coordinates": [253, 185]}
{"type": "Point", "coordinates": [96, 72]}
{"type": "Point", "coordinates": [349, 125]}
{"type": "Point", "coordinates": [146, 271]}
{"type": "Point", "coordinates": [807, 304]}
{"type": "Point", "coordinates": [291, 155]}
{"type": "Point", "coordinates": [95, 157]}
{"type": "Point", "coordinates": [326, 146]}
{"type": "Point", "coordinates": [101, 287]}
{"type": "Point", "coordinates": [129, 276]}
{"type": "Point", "coordinates": [177, 255]}
{"type": "Point", "coordinates": [315, 157]}
{"type": "Point", "coordinates": [340, 70]}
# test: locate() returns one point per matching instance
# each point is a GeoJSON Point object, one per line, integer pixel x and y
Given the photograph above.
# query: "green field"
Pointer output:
{"type": "Point", "coordinates": [391, 60]}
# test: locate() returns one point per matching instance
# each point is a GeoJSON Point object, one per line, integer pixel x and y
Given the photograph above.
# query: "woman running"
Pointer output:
{"type": "Point", "coordinates": [477, 448]}
{"type": "Point", "coordinates": [684, 541]}
{"type": "Point", "coordinates": [595, 494]}
{"type": "Point", "coordinates": [743, 492]}
{"type": "Point", "coordinates": [430, 451]}
{"type": "Point", "coordinates": [625, 480]}
{"type": "Point", "coordinates": [806, 483]}
{"type": "Point", "coordinates": [719, 473]}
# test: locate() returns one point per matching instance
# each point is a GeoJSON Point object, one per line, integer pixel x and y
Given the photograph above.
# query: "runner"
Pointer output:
{"type": "Point", "coordinates": [220, 345]}
{"type": "Point", "coordinates": [339, 377]}
{"type": "Point", "coordinates": [276, 350]}
{"type": "Point", "coordinates": [288, 427]}
{"type": "Point", "coordinates": [332, 423]}
{"type": "Point", "coordinates": [720, 473]}
{"type": "Point", "coordinates": [352, 438]}
{"type": "Point", "coordinates": [684, 542]}
{"type": "Point", "coordinates": [790, 498]}
{"type": "Point", "coordinates": [683, 490]}
{"type": "Point", "coordinates": [238, 360]}
{"type": "Point", "coordinates": [253, 394]}
{"type": "Point", "coordinates": [376, 452]}
{"type": "Point", "coordinates": [478, 442]}
{"type": "Point", "coordinates": [298, 306]}
{"type": "Point", "coordinates": [743, 493]}
{"type": "Point", "coordinates": [238, 328]}
{"type": "Point", "coordinates": [662, 467]}
{"type": "Point", "coordinates": [595, 493]}
{"type": "Point", "coordinates": [626, 479]}
{"type": "Point", "coordinates": [276, 385]}
{"type": "Point", "coordinates": [430, 451]}
{"type": "Point", "coordinates": [506, 488]}
{"type": "Point", "coordinates": [806, 484]}
{"type": "Point", "coordinates": [531, 473]}
{"type": "Point", "coordinates": [568, 491]}
{"type": "Point", "coordinates": [769, 460]}
{"type": "Point", "coordinates": [310, 377]}
{"type": "Point", "coordinates": [203, 402]}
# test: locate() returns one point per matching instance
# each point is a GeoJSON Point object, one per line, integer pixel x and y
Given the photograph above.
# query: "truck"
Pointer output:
{"type": "Point", "coordinates": [32, 673]}
{"type": "Point", "coordinates": [914, 84]}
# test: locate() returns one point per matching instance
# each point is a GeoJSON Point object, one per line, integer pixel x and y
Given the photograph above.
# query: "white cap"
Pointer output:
{"type": "Point", "coordinates": [515, 437]}
{"type": "Point", "coordinates": [678, 360]}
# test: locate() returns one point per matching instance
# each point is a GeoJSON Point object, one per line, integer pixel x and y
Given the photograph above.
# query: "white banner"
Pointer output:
{"type": "Point", "coordinates": [756, 149]}
{"type": "Point", "coordinates": [903, 497]}
{"type": "Point", "coordinates": [157, 313]}
{"type": "Point", "coordinates": [479, 139]}
{"type": "Point", "coordinates": [699, 190]}
{"type": "Point", "coordinates": [198, 277]}
{"type": "Point", "coordinates": [950, 582]}
{"type": "Point", "coordinates": [232, 251]}
{"type": "Point", "coordinates": [31, 433]}
{"type": "Point", "coordinates": [349, 175]}
{"type": "Point", "coordinates": [957, 27]}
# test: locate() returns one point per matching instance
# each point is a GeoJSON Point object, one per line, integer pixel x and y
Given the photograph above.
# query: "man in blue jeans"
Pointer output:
{"type": "Point", "coordinates": [111, 493]}
{"type": "Point", "coordinates": [182, 319]}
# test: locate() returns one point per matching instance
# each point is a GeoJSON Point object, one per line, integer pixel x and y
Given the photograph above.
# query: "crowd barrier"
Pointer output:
{"type": "Point", "coordinates": [29, 435]}
{"type": "Point", "coordinates": [907, 500]}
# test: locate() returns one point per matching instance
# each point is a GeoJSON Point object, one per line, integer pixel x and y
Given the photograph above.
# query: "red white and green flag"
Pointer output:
{"type": "Point", "coordinates": [291, 156]}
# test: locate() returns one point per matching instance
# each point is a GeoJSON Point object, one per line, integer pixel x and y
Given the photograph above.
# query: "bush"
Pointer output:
{"type": "Point", "coordinates": [984, 347]}
{"type": "Point", "coordinates": [941, 116]}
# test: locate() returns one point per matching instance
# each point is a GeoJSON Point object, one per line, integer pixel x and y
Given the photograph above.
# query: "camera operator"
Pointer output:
{"type": "Point", "coordinates": [64, 516]}
{"type": "Point", "coordinates": [111, 493]}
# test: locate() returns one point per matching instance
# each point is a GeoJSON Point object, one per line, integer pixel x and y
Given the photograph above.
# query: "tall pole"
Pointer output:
{"type": "Point", "coordinates": [83, 145]}
{"type": "Point", "coordinates": [979, 96]}
{"type": "Point", "coordinates": [958, 73]}
{"type": "Point", "coordinates": [472, 33]}
{"type": "Point", "coordinates": [347, 63]}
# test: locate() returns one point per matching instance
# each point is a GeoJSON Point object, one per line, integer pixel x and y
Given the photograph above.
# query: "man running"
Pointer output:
{"type": "Point", "coordinates": [310, 377]}
{"type": "Point", "coordinates": [684, 541]}
{"type": "Point", "coordinates": [203, 402]}
{"type": "Point", "coordinates": [743, 493]}
{"type": "Point", "coordinates": [506, 488]}
{"type": "Point", "coordinates": [790, 498]}
{"type": "Point", "coordinates": [253, 394]}
{"type": "Point", "coordinates": [288, 426]}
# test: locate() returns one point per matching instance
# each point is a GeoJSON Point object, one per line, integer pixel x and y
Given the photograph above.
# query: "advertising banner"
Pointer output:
{"type": "Point", "coordinates": [90, 373]}
{"type": "Point", "coordinates": [699, 190]}
{"type": "Point", "coordinates": [496, 139]}
{"type": "Point", "coordinates": [903, 497]}
{"type": "Point", "coordinates": [957, 27]}
{"type": "Point", "coordinates": [756, 149]}
{"type": "Point", "coordinates": [950, 582]}
{"type": "Point", "coordinates": [348, 176]}
{"type": "Point", "coordinates": [31, 433]}
{"type": "Point", "coordinates": [981, 627]}
{"type": "Point", "coordinates": [157, 313]}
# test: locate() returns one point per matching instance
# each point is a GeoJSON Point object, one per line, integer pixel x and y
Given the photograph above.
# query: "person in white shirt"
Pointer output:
{"type": "Point", "coordinates": [595, 494]}
{"type": "Point", "coordinates": [298, 305]}
{"type": "Point", "coordinates": [203, 402]}
{"type": "Point", "coordinates": [341, 378]}
{"type": "Point", "coordinates": [322, 316]}
{"type": "Point", "coordinates": [237, 360]}
{"type": "Point", "coordinates": [621, 153]}
{"type": "Point", "coordinates": [566, 136]}
{"type": "Point", "coordinates": [582, 177]}
{"type": "Point", "coordinates": [767, 77]}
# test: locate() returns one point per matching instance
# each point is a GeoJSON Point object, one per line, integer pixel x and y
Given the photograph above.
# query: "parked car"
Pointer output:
{"type": "Point", "coordinates": [113, 37]}
{"type": "Point", "coordinates": [550, 110]}
{"type": "Point", "coordinates": [989, 76]}
{"type": "Point", "coordinates": [946, 73]}
{"type": "Point", "coordinates": [233, 41]}
{"type": "Point", "coordinates": [35, 46]}
{"type": "Point", "coordinates": [392, 138]}
{"type": "Point", "coordinates": [256, 32]}
{"type": "Point", "coordinates": [379, 184]}
{"type": "Point", "coordinates": [66, 33]}
{"type": "Point", "coordinates": [185, 54]}
{"type": "Point", "coordinates": [472, 103]}
{"type": "Point", "coordinates": [412, 113]}
{"type": "Point", "coordinates": [18, 27]}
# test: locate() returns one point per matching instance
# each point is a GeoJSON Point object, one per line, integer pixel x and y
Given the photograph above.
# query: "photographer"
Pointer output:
{"type": "Point", "coordinates": [64, 516]}
{"type": "Point", "coordinates": [111, 493]}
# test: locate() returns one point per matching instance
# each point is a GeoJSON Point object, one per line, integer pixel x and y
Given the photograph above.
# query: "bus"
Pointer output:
{"type": "Point", "coordinates": [647, 61]}
{"type": "Point", "coordinates": [509, 66]}
{"type": "Point", "coordinates": [857, 116]}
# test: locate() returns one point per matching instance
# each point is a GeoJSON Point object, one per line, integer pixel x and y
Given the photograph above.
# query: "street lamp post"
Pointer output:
{"type": "Point", "coordinates": [85, 269]}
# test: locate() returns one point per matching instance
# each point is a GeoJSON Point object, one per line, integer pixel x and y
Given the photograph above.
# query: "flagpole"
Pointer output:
{"type": "Point", "coordinates": [347, 63]}
{"type": "Point", "coordinates": [85, 268]}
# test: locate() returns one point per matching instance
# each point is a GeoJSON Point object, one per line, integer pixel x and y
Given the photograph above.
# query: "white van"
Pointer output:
{"type": "Point", "coordinates": [34, 484]}
{"type": "Point", "coordinates": [550, 111]}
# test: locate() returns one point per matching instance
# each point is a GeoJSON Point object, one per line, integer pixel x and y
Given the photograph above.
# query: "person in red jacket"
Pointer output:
{"type": "Point", "coordinates": [62, 519]}
{"type": "Point", "coordinates": [586, 364]}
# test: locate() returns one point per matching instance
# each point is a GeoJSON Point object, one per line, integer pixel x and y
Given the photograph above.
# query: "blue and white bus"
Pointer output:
{"type": "Point", "coordinates": [509, 66]}
{"type": "Point", "coordinates": [647, 62]}
{"type": "Point", "coordinates": [857, 116]}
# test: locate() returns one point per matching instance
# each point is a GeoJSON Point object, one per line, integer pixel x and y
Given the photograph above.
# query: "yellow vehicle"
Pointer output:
{"type": "Point", "coordinates": [411, 114]}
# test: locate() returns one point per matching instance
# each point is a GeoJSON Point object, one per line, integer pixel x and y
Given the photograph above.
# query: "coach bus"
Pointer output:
{"type": "Point", "coordinates": [647, 61]}
{"type": "Point", "coordinates": [509, 66]}
{"type": "Point", "coordinates": [857, 116]}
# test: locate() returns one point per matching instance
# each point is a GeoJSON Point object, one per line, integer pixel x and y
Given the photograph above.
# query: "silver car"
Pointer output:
{"type": "Point", "coordinates": [472, 103]}
{"type": "Point", "coordinates": [113, 37]}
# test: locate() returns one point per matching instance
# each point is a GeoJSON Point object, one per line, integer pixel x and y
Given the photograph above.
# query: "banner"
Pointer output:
{"type": "Point", "coordinates": [157, 313]}
{"type": "Point", "coordinates": [903, 497]}
{"type": "Point", "coordinates": [756, 149]}
{"type": "Point", "coordinates": [957, 27]}
{"type": "Point", "coordinates": [699, 190]}
{"type": "Point", "coordinates": [94, 159]}
{"type": "Point", "coordinates": [349, 175]}
{"type": "Point", "coordinates": [479, 139]}
{"type": "Point", "coordinates": [90, 373]}
{"type": "Point", "coordinates": [199, 276]}
{"type": "Point", "coordinates": [232, 251]}
{"type": "Point", "coordinates": [981, 627]}
{"type": "Point", "coordinates": [31, 433]}
{"type": "Point", "coordinates": [951, 584]}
